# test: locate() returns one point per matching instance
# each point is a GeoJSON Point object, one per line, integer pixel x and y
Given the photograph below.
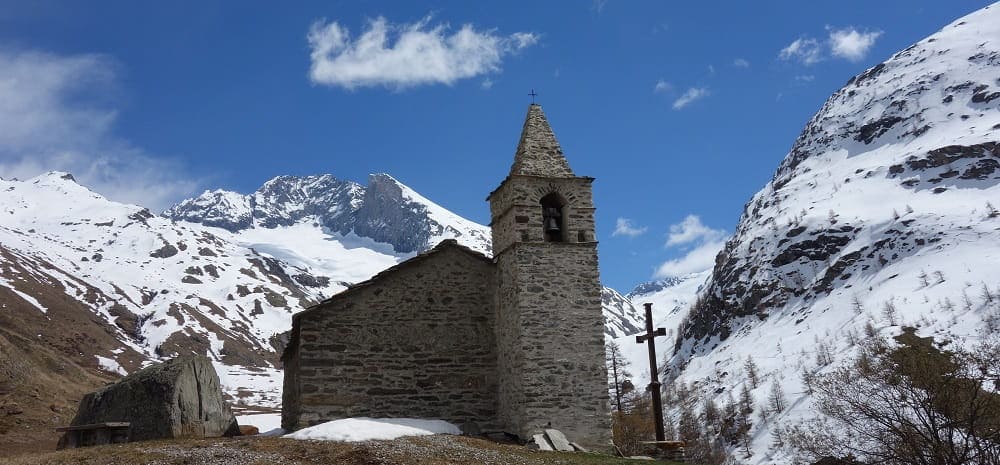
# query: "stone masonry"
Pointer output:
{"type": "Point", "coordinates": [415, 341]}
{"type": "Point", "coordinates": [549, 325]}
{"type": "Point", "coordinates": [514, 343]}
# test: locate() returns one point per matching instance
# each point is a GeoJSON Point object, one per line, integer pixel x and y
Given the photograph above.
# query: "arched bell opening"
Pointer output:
{"type": "Point", "coordinates": [553, 218]}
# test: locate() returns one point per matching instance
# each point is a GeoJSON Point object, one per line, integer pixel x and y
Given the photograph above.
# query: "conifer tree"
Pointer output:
{"type": "Point", "coordinates": [751, 370]}
{"type": "Point", "coordinates": [776, 398]}
{"type": "Point", "coordinates": [710, 415]}
{"type": "Point", "coordinates": [619, 374]}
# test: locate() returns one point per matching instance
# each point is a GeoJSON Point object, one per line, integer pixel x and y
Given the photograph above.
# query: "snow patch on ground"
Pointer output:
{"type": "Point", "coordinates": [367, 429]}
{"type": "Point", "coordinates": [110, 365]}
{"type": "Point", "coordinates": [269, 424]}
{"type": "Point", "coordinates": [27, 298]}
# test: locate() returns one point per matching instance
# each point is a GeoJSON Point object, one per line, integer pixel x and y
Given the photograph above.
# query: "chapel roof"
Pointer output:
{"type": "Point", "coordinates": [419, 259]}
{"type": "Point", "coordinates": [538, 151]}
{"type": "Point", "coordinates": [447, 244]}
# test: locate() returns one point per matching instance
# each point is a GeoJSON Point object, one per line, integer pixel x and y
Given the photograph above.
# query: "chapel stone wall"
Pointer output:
{"type": "Point", "coordinates": [418, 343]}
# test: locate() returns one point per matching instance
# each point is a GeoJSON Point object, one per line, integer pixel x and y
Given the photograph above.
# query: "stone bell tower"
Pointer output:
{"type": "Point", "coordinates": [549, 323]}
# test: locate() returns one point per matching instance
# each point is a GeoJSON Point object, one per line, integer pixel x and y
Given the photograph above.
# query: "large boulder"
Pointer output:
{"type": "Point", "coordinates": [178, 398]}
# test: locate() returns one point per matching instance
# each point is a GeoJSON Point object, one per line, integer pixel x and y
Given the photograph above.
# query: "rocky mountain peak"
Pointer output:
{"type": "Point", "coordinates": [57, 178]}
{"type": "Point", "coordinates": [219, 208]}
{"type": "Point", "coordinates": [385, 211]}
{"type": "Point", "coordinates": [650, 287]}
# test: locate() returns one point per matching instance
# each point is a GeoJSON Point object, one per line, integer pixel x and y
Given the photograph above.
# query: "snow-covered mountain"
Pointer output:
{"type": "Point", "coordinates": [672, 299]}
{"type": "Point", "coordinates": [158, 287]}
{"type": "Point", "coordinates": [385, 211]}
{"type": "Point", "coordinates": [113, 286]}
{"type": "Point", "coordinates": [883, 212]}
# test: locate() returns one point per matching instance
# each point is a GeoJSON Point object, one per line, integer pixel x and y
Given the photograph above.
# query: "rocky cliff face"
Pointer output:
{"type": "Point", "coordinates": [621, 318]}
{"type": "Point", "coordinates": [901, 162]}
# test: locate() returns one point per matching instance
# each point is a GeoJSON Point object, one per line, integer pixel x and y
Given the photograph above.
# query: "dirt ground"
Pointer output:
{"type": "Point", "coordinates": [255, 450]}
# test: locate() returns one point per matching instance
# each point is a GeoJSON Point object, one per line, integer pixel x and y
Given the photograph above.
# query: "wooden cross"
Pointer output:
{"type": "Point", "coordinates": [533, 95]}
{"type": "Point", "coordinates": [654, 384]}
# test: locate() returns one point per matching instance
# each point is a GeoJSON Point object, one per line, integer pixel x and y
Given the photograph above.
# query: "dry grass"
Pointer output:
{"type": "Point", "coordinates": [39, 391]}
{"type": "Point", "coordinates": [429, 450]}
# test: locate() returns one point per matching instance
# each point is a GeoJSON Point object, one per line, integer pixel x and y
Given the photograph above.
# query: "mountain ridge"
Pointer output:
{"type": "Point", "coordinates": [385, 210]}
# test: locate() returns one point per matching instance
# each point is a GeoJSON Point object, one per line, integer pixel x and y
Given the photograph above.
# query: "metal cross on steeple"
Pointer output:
{"type": "Point", "coordinates": [532, 94]}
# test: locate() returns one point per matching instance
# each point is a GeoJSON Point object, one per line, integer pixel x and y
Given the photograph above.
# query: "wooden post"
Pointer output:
{"type": "Point", "coordinates": [654, 377]}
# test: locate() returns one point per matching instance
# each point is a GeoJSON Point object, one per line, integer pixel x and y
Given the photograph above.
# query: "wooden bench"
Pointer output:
{"type": "Point", "coordinates": [670, 450]}
{"type": "Point", "coordinates": [94, 434]}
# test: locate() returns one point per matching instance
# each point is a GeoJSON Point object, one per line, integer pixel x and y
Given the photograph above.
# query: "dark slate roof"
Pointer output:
{"type": "Point", "coordinates": [538, 151]}
{"type": "Point", "coordinates": [419, 258]}
{"type": "Point", "coordinates": [446, 244]}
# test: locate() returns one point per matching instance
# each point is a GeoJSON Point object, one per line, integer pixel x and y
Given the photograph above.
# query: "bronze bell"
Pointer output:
{"type": "Point", "coordinates": [552, 220]}
{"type": "Point", "coordinates": [551, 225]}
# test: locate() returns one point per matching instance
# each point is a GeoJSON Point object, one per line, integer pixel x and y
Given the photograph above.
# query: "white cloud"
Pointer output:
{"type": "Point", "coordinates": [704, 244]}
{"type": "Point", "coordinates": [55, 114]}
{"type": "Point", "coordinates": [692, 230]}
{"type": "Point", "coordinates": [850, 44]}
{"type": "Point", "coordinates": [487, 84]}
{"type": "Point", "coordinates": [690, 96]}
{"type": "Point", "coordinates": [741, 63]}
{"type": "Point", "coordinates": [698, 259]}
{"type": "Point", "coordinates": [662, 86]}
{"type": "Point", "coordinates": [806, 50]}
{"type": "Point", "coordinates": [624, 227]}
{"type": "Point", "coordinates": [598, 5]}
{"type": "Point", "coordinates": [711, 70]}
{"type": "Point", "coordinates": [805, 78]}
{"type": "Point", "coordinates": [519, 40]}
{"type": "Point", "coordinates": [416, 54]}
{"type": "Point", "coordinates": [847, 43]}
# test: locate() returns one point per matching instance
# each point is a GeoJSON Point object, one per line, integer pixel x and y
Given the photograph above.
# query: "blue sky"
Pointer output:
{"type": "Point", "coordinates": [681, 110]}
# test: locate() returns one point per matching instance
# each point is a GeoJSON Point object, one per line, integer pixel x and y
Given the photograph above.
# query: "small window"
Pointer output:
{"type": "Point", "coordinates": [553, 224]}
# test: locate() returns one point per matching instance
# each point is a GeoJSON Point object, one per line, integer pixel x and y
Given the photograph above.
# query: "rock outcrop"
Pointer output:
{"type": "Point", "coordinates": [178, 398]}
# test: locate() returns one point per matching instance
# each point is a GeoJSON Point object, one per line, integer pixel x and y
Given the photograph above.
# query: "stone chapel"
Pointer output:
{"type": "Point", "coordinates": [512, 343]}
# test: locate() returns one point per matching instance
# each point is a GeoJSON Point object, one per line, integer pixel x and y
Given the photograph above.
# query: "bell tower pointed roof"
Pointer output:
{"type": "Point", "coordinates": [538, 151]}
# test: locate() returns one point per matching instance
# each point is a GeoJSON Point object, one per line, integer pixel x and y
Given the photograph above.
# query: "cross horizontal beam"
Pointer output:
{"type": "Point", "coordinates": [643, 337]}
